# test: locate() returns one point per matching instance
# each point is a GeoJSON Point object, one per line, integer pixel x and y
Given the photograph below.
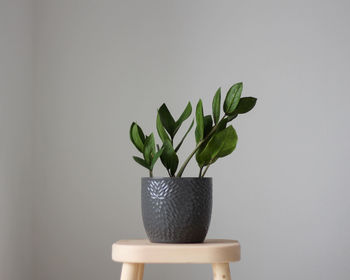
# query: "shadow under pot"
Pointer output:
{"type": "Point", "coordinates": [176, 210]}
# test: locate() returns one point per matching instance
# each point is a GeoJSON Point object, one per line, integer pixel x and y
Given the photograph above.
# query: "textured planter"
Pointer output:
{"type": "Point", "coordinates": [176, 210]}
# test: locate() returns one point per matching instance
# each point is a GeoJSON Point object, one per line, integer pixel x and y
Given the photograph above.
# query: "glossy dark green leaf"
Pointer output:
{"type": "Point", "coordinates": [184, 116]}
{"type": "Point", "coordinates": [137, 137]}
{"type": "Point", "coordinates": [142, 162]}
{"type": "Point", "coordinates": [161, 131]}
{"type": "Point", "coordinates": [220, 145]}
{"type": "Point", "coordinates": [196, 134]}
{"type": "Point", "coordinates": [245, 105]}
{"type": "Point", "coordinates": [156, 156]}
{"type": "Point", "coordinates": [208, 125]}
{"type": "Point", "coordinates": [231, 117]}
{"type": "Point", "coordinates": [183, 138]}
{"type": "Point", "coordinates": [222, 125]}
{"type": "Point", "coordinates": [199, 133]}
{"type": "Point", "coordinates": [200, 150]}
{"type": "Point", "coordinates": [149, 149]}
{"type": "Point", "coordinates": [230, 142]}
{"type": "Point", "coordinates": [216, 106]}
{"type": "Point", "coordinates": [167, 120]}
{"type": "Point", "coordinates": [169, 158]}
{"type": "Point", "coordinates": [232, 98]}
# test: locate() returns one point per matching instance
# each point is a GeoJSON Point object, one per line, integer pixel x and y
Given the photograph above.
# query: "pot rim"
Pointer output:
{"type": "Point", "coordinates": [175, 178]}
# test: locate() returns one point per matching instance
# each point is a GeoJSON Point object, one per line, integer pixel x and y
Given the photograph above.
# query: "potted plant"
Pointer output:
{"type": "Point", "coordinates": [177, 209]}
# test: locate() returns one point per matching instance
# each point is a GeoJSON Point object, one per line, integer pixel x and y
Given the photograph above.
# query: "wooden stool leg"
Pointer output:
{"type": "Point", "coordinates": [221, 271]}
{"type": "Point", "coordinates": [141, 268]}
{"type": "Point", "coordinates": [129, 271]}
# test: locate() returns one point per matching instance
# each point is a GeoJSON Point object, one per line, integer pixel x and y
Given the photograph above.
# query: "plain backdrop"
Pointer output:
{"type": "Point", "coordinates": [75, 74]}
{"type": "Point", "coordinates": [16, 141]}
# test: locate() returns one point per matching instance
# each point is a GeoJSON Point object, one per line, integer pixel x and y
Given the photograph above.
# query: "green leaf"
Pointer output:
{"type": "Point", "coordinates": [200, 121]}
{"type": "Point", "coordinates": [183, 138]}
{"type": "Point", "coordinates": [207, 128]}
{"type": "Point", "coordinates": [141, 161]}
{"type": "Point", "coordinates": [184, 116]}
{"type": "Point", "coordinates": [149, 149]}
{"type": "Point", "coordinates": [200, 150]}
{"type": "Point", "coordinates": [230, 142]}
{"type": "Point", "coordinates": [137, 137]}
{"type": "Point", "coordinates": [155, 158]}
{"type": "Point", "coordinates": [196, 134]}
{"type": "Point", "coordinates": [169, 158]}
{"type": "Point", "coordinates": [216, 106]}
{"type": "Point", "coordinates": [232, 98]}
{"type": "Point", "coordinates": [167, 120]}
{"type": "Point", "coordinates": [245, 105]}
{"type": "Point", "coordinates": [161, 131]}
{"type": "Point", "coordinates": [221, 144]}
{"type": "Point", "coordinates": [222, 125]}
{"type": "Point", "coordinates": [231, 117]}
{"type": "Point", "coordinates": [208, 125]}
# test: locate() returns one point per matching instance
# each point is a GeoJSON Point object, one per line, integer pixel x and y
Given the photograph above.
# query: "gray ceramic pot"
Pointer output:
{"type": "Point", "coordinates": [176, 210]}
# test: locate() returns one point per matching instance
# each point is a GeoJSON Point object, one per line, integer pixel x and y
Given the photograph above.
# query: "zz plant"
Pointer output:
{"type": "Point", "coordinates": [214, 137]}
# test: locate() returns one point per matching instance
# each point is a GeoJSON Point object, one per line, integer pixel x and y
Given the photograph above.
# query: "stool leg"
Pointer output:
{"type": "Point", "coordinates": [221, 271]}
{"type": "Point", "coordinates": [129, 271]}
{"type": "Point", "coordinates": [141, 268]}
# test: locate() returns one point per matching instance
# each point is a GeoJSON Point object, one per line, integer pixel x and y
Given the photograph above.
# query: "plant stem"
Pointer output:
{"type": "Point", "coordinates": [179, 174]}
{"type": "Point", "coordinates": [151, 173]}
{"type": "Point", "coordinates": [206, 169]}
{"type": "Point", "coordinates": [183, 166]}
{"type": "Point", "coordinates": [200, 172]}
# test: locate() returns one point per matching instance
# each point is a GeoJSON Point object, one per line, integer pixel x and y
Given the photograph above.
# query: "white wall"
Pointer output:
{"type": "Point", "coordinates": [16, 140]}
{"type": "Point", "coordinates": [101, 64]}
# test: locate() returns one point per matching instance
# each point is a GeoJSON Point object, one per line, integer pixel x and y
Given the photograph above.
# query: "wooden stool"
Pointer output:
{"type": "Point", "coordinates": [135, 253]}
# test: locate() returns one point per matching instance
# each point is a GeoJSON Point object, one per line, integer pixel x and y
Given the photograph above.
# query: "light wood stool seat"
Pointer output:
{"type": "Point", "coordinates": [135, 253]}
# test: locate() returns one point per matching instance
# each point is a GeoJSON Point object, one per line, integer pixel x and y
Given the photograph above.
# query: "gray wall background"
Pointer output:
{"type": "Point", "coordinates": [99, 65]}
{"type": "Point", "coordinates": [16, 145]}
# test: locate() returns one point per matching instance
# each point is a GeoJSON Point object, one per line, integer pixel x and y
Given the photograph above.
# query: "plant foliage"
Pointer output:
{"type": "Point", "coordinates": [214, 137]}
